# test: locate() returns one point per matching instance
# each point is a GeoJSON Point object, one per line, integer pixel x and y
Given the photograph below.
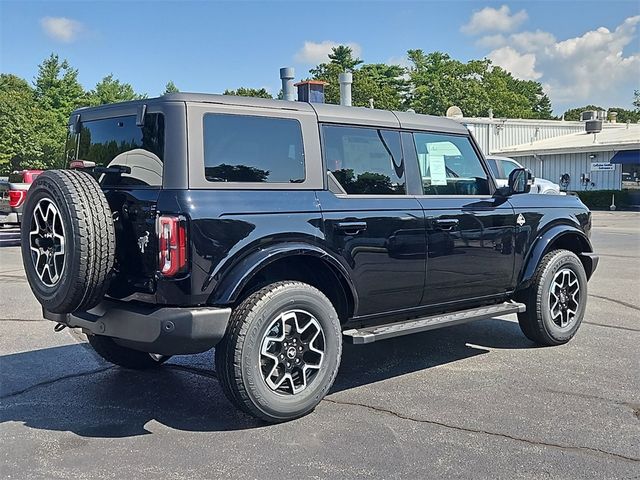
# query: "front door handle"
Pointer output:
{"type": "Point", "coordinates": [446, 223]}
{"type": "Point", "coordinates": [351, 228]}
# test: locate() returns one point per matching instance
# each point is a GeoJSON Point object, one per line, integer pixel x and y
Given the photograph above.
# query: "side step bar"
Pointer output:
{"type": "Point", "coordinates": [381, 332]}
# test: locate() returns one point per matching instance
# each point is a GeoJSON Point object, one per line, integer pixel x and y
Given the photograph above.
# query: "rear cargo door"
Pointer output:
{"type": "Point", "coordinates": [128, 160]}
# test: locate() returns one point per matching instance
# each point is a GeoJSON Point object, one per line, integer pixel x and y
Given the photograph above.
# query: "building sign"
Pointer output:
{"type": "Point", "coordinates": [602, 167]}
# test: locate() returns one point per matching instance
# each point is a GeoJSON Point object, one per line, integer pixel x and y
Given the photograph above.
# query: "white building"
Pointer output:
{"type": "Point", "coordinates": [553, 148]}
{"type": "Point", "coordinates": [592, 161]}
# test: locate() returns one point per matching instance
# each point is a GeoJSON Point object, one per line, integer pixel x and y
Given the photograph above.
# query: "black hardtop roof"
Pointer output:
{"type": "Point", "coordinates": [325, 112]}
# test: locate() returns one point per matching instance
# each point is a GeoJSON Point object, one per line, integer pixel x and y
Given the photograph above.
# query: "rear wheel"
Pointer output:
{"type": "Point", "coordinates": [125, 357]}
{"type": "Point", "coordinates": [556, 299]}
{"type": "Point", "coordinates": [281, 352]}
{"type": "Point", "coordinates": [67, 241]}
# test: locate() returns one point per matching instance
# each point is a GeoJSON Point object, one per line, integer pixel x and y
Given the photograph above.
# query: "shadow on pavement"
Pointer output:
{"type": "Point", "coordinates": [67, 389]}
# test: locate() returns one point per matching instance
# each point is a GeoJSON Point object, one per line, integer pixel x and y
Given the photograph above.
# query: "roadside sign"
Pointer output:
{"type": "Point", "coordinates": [602, 167]}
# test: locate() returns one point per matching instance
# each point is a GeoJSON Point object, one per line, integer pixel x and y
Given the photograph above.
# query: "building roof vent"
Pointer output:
{"type": "Point", "coordinates": [311, 91]}
{"type": "Point", "coordinates": [593, 126]}
{"type": "Point", "coordinates": [588, 115]}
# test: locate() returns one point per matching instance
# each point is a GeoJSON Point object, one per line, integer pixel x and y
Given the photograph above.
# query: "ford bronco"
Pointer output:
{"type": "Point", "coordinates": [274, 230]}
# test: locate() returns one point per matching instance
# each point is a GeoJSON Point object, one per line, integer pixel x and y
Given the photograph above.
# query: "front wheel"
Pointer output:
{"type": "Point", "coordinates": [556, 300]}
{"type": "Point", "coordinates": [281, 352]}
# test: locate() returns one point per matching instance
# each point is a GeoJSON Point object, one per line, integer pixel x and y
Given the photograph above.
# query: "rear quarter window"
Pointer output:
{"type": "Point", "coordinates": [245, 148]}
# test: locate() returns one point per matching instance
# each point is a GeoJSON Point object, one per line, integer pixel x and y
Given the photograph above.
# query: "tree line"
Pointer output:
{"type": "Point", "coordinates": [33, 116]}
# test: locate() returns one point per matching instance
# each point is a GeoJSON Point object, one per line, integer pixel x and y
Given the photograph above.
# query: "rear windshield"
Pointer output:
{"type": "Point", "coordinates": [132, 154]}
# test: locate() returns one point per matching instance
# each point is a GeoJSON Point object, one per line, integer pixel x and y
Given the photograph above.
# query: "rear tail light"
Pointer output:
{"type": "Point", "coordinates": [172, 242]}
{"type": "Point", "coordinates": [16, 197]}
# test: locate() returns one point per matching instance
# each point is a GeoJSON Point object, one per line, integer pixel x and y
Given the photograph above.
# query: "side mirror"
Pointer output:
{"type": "Point", "coordinates": [520, 181]}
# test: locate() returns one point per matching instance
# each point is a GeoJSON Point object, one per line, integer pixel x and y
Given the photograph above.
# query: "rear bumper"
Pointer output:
{"type": "Point", "coordinates": [162, 330]}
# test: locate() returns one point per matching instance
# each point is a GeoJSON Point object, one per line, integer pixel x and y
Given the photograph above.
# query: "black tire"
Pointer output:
{"type": "Point", "coordinates": [89, 241]}
{"type": "Point", "coordinates": [238, 356]}
{"type": "Point", "coordinates": [537, 323]}
{"type": "Point", "coordinates": [125, 357]}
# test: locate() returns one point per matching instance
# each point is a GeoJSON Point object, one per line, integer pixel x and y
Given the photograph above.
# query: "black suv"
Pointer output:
{"type": "Point", "coordinates": [273, 230]}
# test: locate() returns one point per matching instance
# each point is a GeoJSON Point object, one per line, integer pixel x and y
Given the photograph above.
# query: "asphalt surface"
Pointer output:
{"type": "Point", "coordinates": [472, 401]}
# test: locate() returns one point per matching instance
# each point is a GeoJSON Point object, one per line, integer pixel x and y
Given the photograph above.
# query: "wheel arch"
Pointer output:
{"type": "Point", "coordinates": [291, 261]}
{"type": "Point", "coordinates": [563, 237]}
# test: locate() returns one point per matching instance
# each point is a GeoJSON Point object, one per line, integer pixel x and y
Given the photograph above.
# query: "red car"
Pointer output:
{"type": "Point", "coordinates": [13, 194]}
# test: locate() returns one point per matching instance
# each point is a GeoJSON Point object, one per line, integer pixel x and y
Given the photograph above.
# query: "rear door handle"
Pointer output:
{"type": "Point", "coordinates": [351, 228]}
{"type": "Point", "coordinates": [446, 223]}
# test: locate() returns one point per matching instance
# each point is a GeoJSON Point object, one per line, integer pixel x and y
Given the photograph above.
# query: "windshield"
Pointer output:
{"type": "Point", "coordinates": [509, 166]}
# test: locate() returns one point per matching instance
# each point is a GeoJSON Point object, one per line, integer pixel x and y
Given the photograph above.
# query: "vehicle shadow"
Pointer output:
{"type": "Point", "coordinates": [67, 388]}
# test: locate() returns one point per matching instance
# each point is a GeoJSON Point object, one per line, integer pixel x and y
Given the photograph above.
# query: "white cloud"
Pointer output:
{"type": "Point", "coordinates": [317, 52]}
{"type": "Point", "coordinates": [400, 61]}
{"type": "Point", "coordinates": [492, 41]}
{"type": "Point", "coordinates": [61, 28]}
{"type": "Point", "coordinates": [521, 65]}
{"type": "Point", "coordinates": [600, 66]}
{"type": "Point", "coordinates": [491, 19]}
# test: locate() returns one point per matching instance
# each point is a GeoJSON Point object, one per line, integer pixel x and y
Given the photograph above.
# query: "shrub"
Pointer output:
{"type": "Point", "coordinates": [601, 199]}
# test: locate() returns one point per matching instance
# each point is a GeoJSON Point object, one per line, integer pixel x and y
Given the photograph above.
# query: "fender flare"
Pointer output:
{"type": "Point", "coordinates": [234, 280]}
{"type": "Point", "coordinates": [542, 246]}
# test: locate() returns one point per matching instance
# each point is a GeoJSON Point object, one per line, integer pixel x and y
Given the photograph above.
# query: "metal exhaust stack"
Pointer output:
{"type": "Point", "coordinates": [287, 74]}
{"type": "Point", "coordinates": [345, 79]}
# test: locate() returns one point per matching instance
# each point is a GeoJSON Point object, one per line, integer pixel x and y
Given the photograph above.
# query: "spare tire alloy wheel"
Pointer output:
{"type": "Point", "coordinates": [292, 352]}
{"type": "Point", "coordinates": [68, 241]}
{"type": "Point", "coordinates": [46, 241]}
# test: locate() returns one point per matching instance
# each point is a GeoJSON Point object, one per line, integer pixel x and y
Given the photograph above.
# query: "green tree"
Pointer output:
{"type": "Point", "coordinates": [342, 55]}
{"type": "Point", "coordinates": [439, 81]}
{"type": "Point", "coordinates": [170, 88]}
{"type": "Point", "coordinates": [112, 90]}
{"type": "Point", "coordinates": [382, 83]}
{"type": "Point", "coordinates": [19, 123]}
{"type": "Point", "coordinates": [249, 92]}
{"type": "Point", "coordinates": [636, 99]}
{"type": "Point", "coordinates": [57, 93]}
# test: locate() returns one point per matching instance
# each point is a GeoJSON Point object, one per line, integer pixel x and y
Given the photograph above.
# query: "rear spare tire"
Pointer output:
{"type": "Point", "coordinates": [68, 241]}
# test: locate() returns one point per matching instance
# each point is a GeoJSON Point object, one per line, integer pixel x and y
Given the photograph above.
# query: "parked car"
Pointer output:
{"type": "Point", "coordinates": [13, 193]}
{"type": "Point", "coordinates": [501, 167]}
{"type": "Point", "coordinates": [273, 230]}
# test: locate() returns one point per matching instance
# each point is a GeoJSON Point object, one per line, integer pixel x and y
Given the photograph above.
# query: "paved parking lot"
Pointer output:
{"type": "Point", "coordinates": [472, 401]}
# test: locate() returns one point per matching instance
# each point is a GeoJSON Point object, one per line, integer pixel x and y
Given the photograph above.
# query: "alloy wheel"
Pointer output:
{"type": "Point", "coordinates": [47, 242]}
{"type": "Point", "coordinates": [292, 352]}
{"type": "Point", "coordinates": [564, 297]}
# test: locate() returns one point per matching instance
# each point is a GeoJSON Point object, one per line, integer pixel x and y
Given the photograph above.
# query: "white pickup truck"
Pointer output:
{"type": "Point", "coordinates": [501, 167]}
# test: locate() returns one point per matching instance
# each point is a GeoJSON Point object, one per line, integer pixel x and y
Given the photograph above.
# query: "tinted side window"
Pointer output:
{"type": "Point", "coordinates": [242, 148]}
{"type": "Point", "coordinates": [119, 141]}
{"type": "Point", "coordinates": [365, 160]}
{"type": "Point", "coordinates": [449, 165]}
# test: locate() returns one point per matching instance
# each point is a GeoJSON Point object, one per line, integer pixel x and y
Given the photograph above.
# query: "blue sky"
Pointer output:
{"type": "Point", "coordinates": [582, 52]}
